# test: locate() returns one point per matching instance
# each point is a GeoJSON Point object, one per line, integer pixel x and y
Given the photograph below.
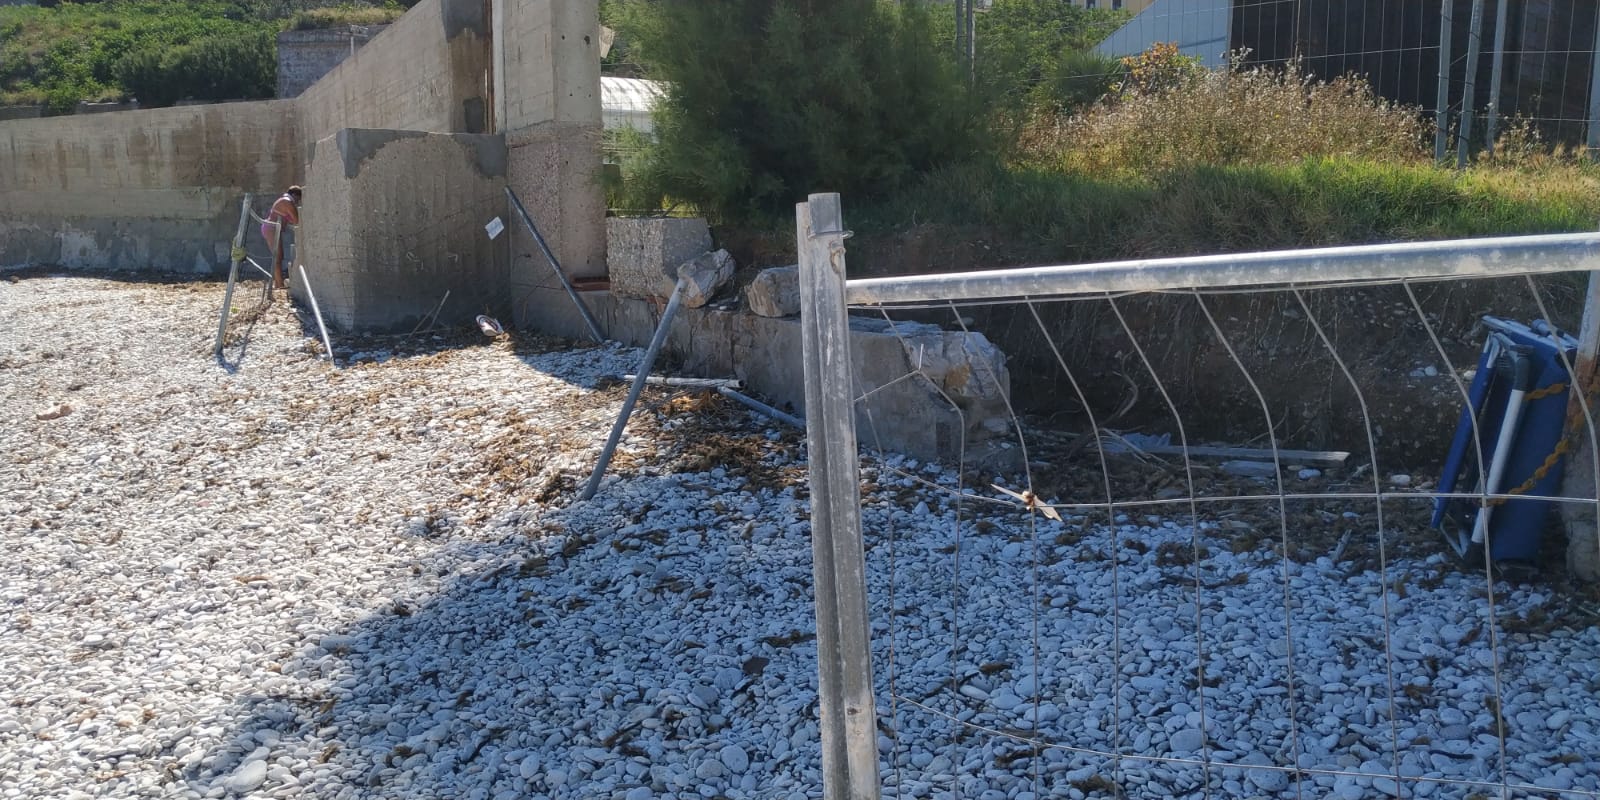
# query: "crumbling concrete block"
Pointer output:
{"type": "Point", "coordinates": [775, 292]}
{"type": "Point", "coordinates": [705, 275]}
{"type": "Point", "coordinates": [643, 254]}
{"type": "Point", "coordinates": [959, 368]}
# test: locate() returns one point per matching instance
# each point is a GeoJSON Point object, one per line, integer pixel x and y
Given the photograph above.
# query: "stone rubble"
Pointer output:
{"type": "Point", "coordinates": [284, 580]}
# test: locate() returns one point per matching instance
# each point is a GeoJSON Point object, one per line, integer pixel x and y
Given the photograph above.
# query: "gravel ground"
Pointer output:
{"type": "Point", "coordinates": [281, 579]}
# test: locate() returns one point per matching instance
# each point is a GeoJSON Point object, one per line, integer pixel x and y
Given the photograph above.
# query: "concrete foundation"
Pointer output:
{"type": "Point", "coordinates": [394, 219]}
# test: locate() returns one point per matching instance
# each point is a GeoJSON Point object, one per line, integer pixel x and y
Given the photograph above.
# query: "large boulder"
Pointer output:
{"type": "Point", "coordinates": [775, 292]}
{"type": "Point", "coordinates": [643, 254]}
{"type": "Point", "coordinates": [703, 276]}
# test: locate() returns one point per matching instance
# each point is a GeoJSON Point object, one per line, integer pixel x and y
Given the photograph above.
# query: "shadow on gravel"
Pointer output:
{"type": "Point", "coordinates": [608, 647]}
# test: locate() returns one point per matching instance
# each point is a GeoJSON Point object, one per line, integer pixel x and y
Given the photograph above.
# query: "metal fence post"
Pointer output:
{"type": "Point", "coordinates": [1441, 103]}
{"type": "Point", "coordinates": [236, 256]}
{"type": "Point", "coordinates": [1469, 93]}
{"type": "Point", "coordinates": [848, 711]}
{"type": "Point", "coordinates": [1496, 74]}
{"type": "Point", "coordinates": [639, 380]}
{"type": "Point", "coordinates": [1594, 94]}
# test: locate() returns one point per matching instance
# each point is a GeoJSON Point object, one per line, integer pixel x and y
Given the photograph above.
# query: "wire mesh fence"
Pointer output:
{"type": "Point", "coordinates": [1069, 610]}
{"type": "Point", "coordinates": [1483, 69]}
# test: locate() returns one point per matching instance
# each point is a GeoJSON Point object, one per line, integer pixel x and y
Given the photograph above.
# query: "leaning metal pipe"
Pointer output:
{"type": "Point", "coordinates": [760, 407]}
{"type": "Point", "coordinates": [583, 309]}
{"type": "Point", "coordinates": [1514, 255]}
{"type": "Point", "coordinates": [639, 379]}
{"type": "Point", "coordinates": [317, 312]}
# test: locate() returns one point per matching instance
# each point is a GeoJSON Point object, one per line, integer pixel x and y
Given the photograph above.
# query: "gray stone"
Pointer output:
{"type": "Point", "coordinates": [703, 276]}
{"type": "Point", "coordinates": [643, 254]}
{"type": "Point", "coordinates": [775, 292]}
{"type": "Point", "coordinates": [247, 778]}
{"type": "Point", "coordinates": [1187, 740]}
{"type": "Point", "coordinates": [735, 759]}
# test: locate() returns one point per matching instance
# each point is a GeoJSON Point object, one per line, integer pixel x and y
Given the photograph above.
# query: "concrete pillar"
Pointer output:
{"type": "Point", "coordinates": [547, 103]}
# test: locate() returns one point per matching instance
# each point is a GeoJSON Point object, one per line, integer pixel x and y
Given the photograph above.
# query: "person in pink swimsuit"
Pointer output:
{"type": "Point", "coordinates": [285, 211]}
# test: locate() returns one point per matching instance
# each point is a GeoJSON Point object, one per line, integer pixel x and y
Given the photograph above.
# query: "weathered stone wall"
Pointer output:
{"type": "Point", "coordinates": [304, 57]}
{"type": "Point", "coordinates": [396, 221]}
{"type": "Point", "coordinates": [156, 189]}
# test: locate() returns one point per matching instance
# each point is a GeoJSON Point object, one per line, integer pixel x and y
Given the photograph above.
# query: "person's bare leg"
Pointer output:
{"type": "Point", "coordinates": [273, 241]}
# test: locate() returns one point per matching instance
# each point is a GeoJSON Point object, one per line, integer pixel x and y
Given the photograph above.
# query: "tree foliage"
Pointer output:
{"type": "Point", "coordinates": [226, 67]}
{"type": "Point", "coordinates": [770, 100]}
{"type": "Point", "coordinates": [1036, 54]}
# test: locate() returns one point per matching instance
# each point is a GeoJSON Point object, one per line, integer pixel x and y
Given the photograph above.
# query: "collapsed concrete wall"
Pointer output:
{"type": "Point", "coordinates": [931, 393]}
{"type": "Point", "coordinates": [396, 222]}
{"type": "Point", "coordinates": [147, 189]}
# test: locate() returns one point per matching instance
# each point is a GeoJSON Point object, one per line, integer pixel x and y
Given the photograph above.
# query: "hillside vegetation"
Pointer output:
{"type": "Point", "coordinates": [159, 51]}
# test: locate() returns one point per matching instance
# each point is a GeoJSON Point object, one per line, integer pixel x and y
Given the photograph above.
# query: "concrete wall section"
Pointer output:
{"type": "Point", "coordinates": [429, 71]}
{"type": "Point", "coordinates": [156, 189]}
{"type": "Point", "coordinates": [395, 220]}
{"type": "Point", "coordinates": [547, 90]}
{"type": "Point", "coordinates": [305, 56]}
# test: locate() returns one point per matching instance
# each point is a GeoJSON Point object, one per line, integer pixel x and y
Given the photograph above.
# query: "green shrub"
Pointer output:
{"type": "Point", "coordinates": [148, 75]}
{"type": "Point", "coordinates": [770, 100]}
{"type": "Point", "coordinates": [342, 15]}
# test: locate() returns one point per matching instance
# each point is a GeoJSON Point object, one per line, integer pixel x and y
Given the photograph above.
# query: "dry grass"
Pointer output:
{"type": "Point", "coordinates": [1254, 116]}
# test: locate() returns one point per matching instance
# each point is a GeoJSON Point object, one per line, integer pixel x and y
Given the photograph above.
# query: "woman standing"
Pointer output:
{"type": "Point", "coordinates": [285, 211]}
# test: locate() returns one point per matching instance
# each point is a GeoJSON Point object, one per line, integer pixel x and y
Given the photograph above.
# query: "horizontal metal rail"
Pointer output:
{"type": "Point", "coordinates": [1461, 258]}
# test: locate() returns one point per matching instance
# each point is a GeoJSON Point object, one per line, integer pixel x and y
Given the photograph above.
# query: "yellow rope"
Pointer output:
{"type": "Point", "coordinates": [1563, 447]}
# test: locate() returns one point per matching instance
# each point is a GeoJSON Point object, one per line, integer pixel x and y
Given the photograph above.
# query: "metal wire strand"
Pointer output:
{"type": "Point", "coordinates": [1383, 547]}
{"type": "Point", "coordinates": [1194, 542]}
{"type": "Point", "coordinates": [1283, 538]}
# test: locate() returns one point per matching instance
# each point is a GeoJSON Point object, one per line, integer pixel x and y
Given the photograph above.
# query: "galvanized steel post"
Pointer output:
{"type": "Point", "coordinates": [848, 709]}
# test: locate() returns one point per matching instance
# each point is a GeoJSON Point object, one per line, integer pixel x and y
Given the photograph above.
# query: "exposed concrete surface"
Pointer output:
{"type": "Point", "coordinates": [304, 57]}
{"type": "Point", "coordinates": [775, 292]}
{"type": "Point", "coordinates": [426, 72]}
{"type": "Point", "coordinates": [155, 189]}
{"type": "Point", "coordinates": [547, 91]}
{"type": "Point", "coordinates": [643, 253]}
{"type": "Point", "coordinates": [395, 220]}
